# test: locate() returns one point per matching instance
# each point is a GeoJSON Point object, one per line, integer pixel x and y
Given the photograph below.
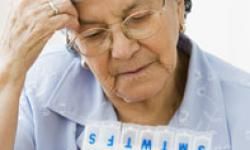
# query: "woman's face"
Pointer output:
{"type": "Point", "coordinates": [133, 70]}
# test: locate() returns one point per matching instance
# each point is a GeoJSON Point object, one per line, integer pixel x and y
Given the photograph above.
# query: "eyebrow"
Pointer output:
{"type": "Point", "coordinates": [88, 22]}
{"type": "Point", "coordinates": [125, 11]}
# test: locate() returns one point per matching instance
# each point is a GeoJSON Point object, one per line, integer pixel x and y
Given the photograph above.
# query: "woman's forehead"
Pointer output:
{"type": "Point", "coordinates": [113, 3]}
{"type": "Point", "coordinates": [90, 9]}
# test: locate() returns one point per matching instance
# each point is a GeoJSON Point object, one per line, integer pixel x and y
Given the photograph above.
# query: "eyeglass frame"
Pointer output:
{"type": "Point", "coordinates": [73, 48]}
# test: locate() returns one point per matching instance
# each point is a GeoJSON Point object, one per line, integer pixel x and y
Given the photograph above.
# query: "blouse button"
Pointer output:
{"type": "Point", "coordinates": [197, 75]}
{"type": "Point", "coordinates": [201, 91]}
{"type": "Point", "coordinates": [210, 77]}
{"type": "Point", "coordinates": [184, 115]}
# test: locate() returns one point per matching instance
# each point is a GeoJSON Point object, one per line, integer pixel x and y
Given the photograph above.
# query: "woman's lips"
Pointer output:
{"type": "Point", "coordinates": [136, 71]}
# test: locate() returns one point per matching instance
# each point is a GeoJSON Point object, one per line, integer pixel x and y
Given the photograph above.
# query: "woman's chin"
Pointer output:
{"type": "Point", "coordinates": [139, 94]}
{"type": "Point", "coordinates": [142, 86]}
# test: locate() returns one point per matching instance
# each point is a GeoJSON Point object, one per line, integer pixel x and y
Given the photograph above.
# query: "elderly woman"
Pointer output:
{"type": "Point", "coordinates": [131, 65]}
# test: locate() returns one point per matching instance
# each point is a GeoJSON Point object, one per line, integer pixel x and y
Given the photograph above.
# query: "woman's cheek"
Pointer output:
{"type": "Point", "coordinates": [100, 68]}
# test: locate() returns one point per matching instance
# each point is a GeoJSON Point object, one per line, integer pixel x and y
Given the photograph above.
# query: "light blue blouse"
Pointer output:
{"type": "Point", "coordinates": [60, 96]}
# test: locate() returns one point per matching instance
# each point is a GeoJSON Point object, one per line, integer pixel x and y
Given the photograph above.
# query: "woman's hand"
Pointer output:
{"type": "Point", "coordinates": [28, 30]}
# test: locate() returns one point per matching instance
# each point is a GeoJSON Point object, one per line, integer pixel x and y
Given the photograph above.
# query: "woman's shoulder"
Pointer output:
{"type": "Point", "coordinates": [235, 87]}
{"type": "Point", "coordinates": [233, 80]}
{"type": "Point", "coordinates": [54, 58]}
{"type": "Point", "coordinates": [50, 71]}
{"type": "Point", "coordinates": [235, 91]}
{"type": "Point", "coordinates": [53, 62]}
{"type": "Point", "coordinates": [227, 72]}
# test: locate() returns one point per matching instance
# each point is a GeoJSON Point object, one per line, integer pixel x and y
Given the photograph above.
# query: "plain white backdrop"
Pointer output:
{"type": "Point", "coordinates": [221, 27]}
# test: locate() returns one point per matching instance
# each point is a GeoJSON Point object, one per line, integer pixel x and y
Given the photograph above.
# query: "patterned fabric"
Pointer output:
{"type": "Point", "coordinates": [60, 96]}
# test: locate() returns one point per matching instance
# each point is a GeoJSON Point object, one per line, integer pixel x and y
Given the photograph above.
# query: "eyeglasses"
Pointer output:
{"type": "Point", "coordinates": [139, 25]}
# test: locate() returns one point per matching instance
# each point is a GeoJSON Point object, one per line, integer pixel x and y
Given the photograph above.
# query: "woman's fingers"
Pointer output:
{"type": "Point", "coordinates": [67, 12]}
{"type": "Point", "coordinates": [42, 31]}
{"type": "Point", "coordinates": [54, 23]}
{"type": "Point", "coordinates": [32, 25]}
{"type": "Point", "coordinates": [66, 6]}
{"type": "Point", "coordinates": [64, 21]}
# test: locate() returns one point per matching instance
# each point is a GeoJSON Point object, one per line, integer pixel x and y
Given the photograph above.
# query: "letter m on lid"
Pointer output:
{"type": "Point", "coordinates": [146, 144]}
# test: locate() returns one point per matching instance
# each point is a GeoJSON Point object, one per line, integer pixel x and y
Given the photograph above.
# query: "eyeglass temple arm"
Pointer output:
{"type": "Point", "coordinates": [70, 44]}
{"type": "Point", "coordinates": [164, 2]}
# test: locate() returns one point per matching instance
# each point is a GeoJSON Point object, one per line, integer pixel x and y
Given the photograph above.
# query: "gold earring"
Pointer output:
{"type": "Point", "coordinates": [182, 27]}
{"type": "Point", "coordinates": [84, 64]}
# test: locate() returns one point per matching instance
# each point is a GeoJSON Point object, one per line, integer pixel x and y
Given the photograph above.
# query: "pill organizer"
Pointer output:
{"type": "Point", "coordinates": [110, 135]}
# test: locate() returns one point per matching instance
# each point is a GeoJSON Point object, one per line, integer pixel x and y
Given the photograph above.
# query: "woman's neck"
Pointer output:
{"type": "Point", "coordinates": [160, 109]}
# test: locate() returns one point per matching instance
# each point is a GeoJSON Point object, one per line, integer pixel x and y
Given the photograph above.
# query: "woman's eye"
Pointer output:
{"type": "Point", "coordinates": [93, 34]}
{"type": "Point", "coordinates": [141, 16]}
{"type": "Point", "coordinates": [137, 18]}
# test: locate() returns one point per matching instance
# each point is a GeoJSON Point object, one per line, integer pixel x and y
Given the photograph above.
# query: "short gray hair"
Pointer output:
{"type": "Point", "coordinates": [188, 6]}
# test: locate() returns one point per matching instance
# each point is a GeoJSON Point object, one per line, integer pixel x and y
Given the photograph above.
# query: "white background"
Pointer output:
{"type": "Point", "coordinates": [221, 27]}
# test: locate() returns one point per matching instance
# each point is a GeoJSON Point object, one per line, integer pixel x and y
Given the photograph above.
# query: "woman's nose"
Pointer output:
{"type": "Point", "coordinates": [123, 47]}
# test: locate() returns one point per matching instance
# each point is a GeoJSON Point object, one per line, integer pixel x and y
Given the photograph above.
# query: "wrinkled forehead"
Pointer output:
{"type": "Point", "coordinates": [103, 10]}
